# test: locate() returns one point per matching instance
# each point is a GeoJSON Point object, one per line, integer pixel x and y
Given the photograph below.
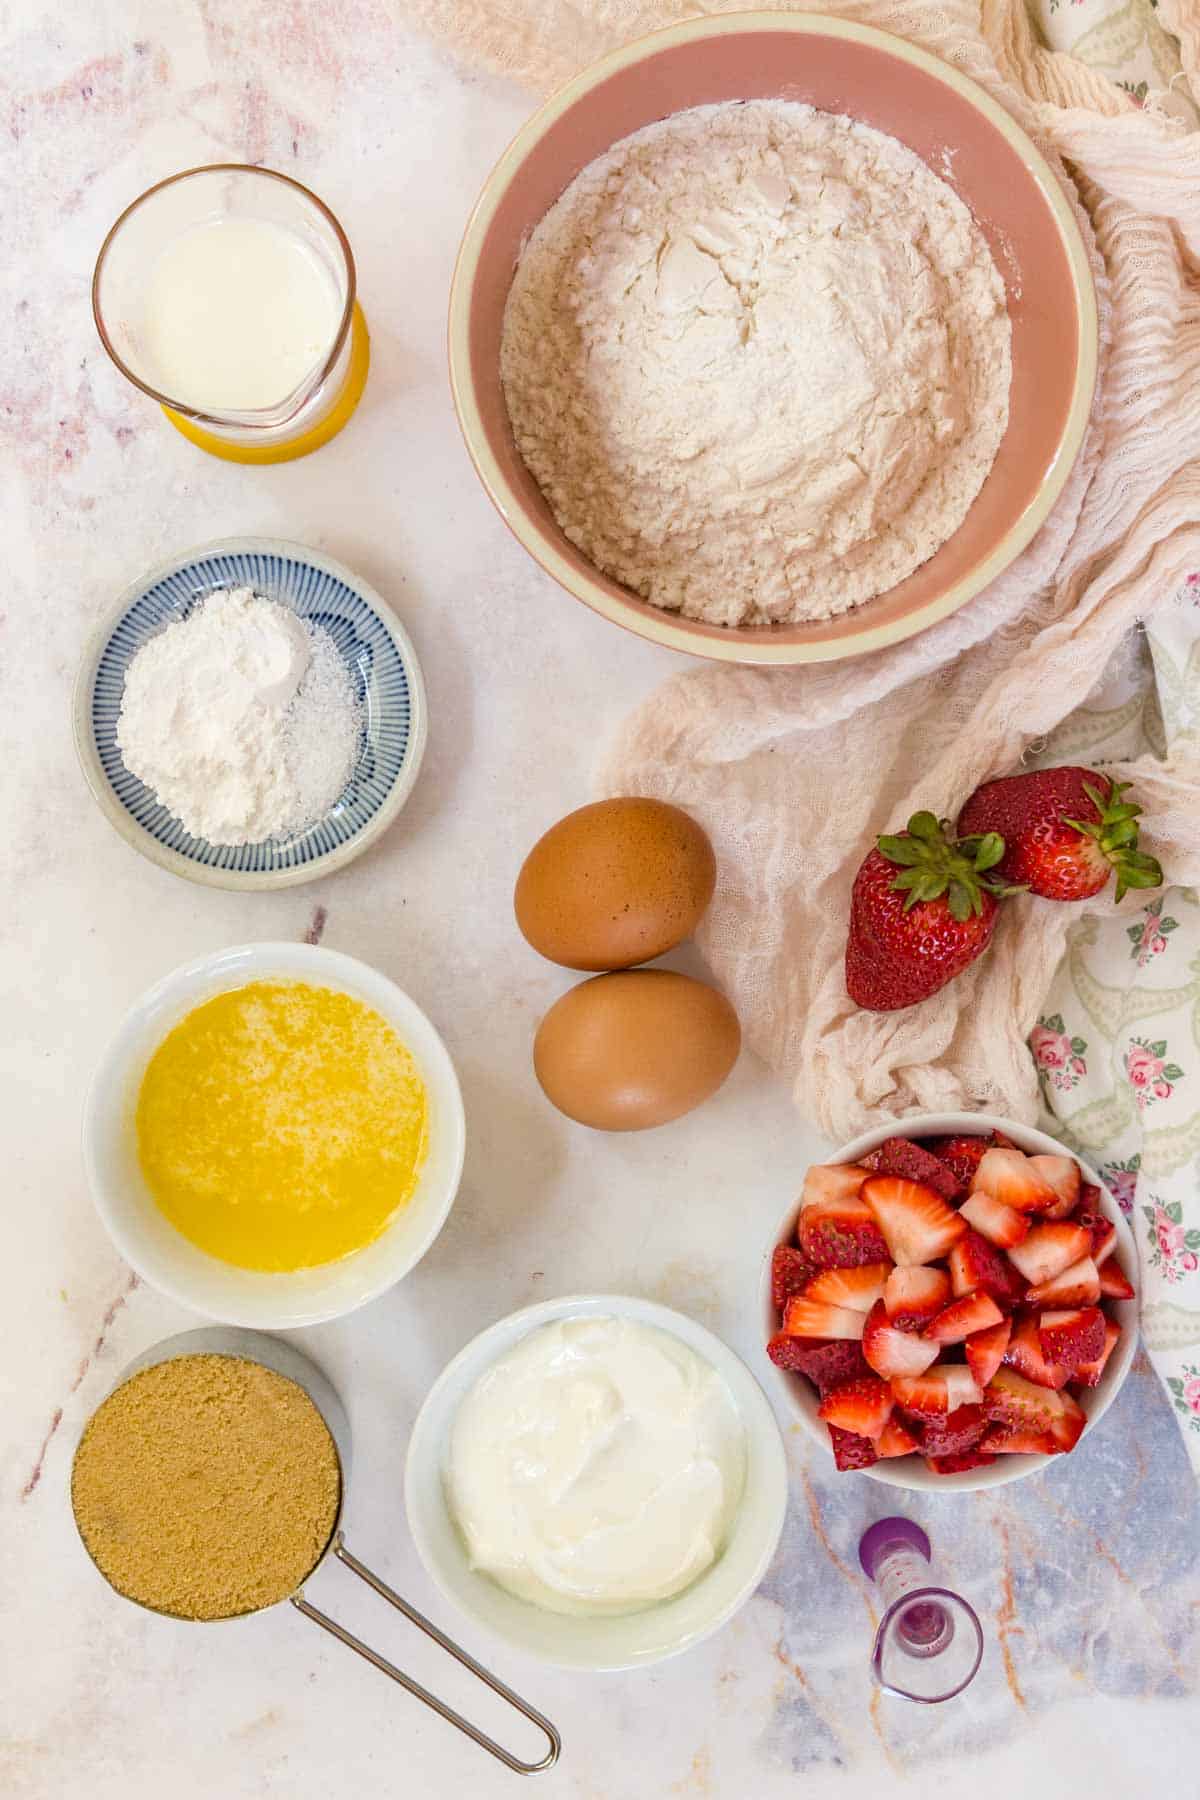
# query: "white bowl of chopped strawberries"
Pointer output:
{"type": "Point", "coordinates": [953, 1304]}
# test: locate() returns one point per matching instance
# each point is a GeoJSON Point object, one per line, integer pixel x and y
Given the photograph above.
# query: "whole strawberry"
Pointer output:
{"type": "Point", "coordinates": [1065, 831]}
{"type": "Point", "coordinates": [923, 907]}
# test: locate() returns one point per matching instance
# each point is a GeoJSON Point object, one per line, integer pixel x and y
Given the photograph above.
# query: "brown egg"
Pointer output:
{"type": "Point", "coordinates": [614, 884]}
{"type": "Point", "coordinates": [626, 1051]}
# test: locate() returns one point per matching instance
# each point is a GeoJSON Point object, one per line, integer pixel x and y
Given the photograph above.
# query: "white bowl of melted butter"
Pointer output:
{"type": "Point", "coordinates": [183, 1259]}
{"type": "Point", "coordinates": [597, 1480]}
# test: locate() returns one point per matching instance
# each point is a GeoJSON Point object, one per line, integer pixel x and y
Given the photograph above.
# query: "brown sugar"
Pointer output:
{"type": "Point", "coordinates": [206, 1486]}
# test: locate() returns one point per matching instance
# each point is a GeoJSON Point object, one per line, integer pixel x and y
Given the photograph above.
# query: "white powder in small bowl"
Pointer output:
{"type": "Point", "coordinates": [242, 719]}
{"type": "Point", "coordinates": [757, 358]}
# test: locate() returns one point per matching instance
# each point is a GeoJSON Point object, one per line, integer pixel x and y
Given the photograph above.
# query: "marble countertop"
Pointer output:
{"type": "Point", "coordinates": [1086, 1578]}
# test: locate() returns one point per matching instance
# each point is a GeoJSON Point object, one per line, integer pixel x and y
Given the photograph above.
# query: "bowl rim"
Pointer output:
{"type": "Point", "coordinates": [135, 834]}
{"type": "Point", "coordinates": [669, 630]}
{"type": "Point", "coordinates": [256, 961]}
{"type": "Point", "coordinates": [434, 1420]}
{"type": "Point", "coordinates": [895, 1472]}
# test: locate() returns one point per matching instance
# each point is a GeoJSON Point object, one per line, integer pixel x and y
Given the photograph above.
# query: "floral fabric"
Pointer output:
{"type": "Point", "coordinates": [1124, 40]}
{"type": "Point", "coordinates": [1117, 1045]}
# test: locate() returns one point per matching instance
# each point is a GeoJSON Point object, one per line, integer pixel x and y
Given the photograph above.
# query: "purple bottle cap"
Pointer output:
{"type": "Point", "coordinates": [891, 1534]}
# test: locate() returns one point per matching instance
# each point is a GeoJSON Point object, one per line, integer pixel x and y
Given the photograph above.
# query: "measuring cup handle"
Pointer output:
{"type": "Point", "coordinates": [414, 1687]}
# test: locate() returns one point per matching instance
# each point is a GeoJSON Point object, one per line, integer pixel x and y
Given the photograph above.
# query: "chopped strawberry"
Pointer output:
{"type": "Point", "coordinates": [1114, 1283]}
{"type": "Point", "coordinates": [862, 1406]}
{"type": "Point", "coordinates": [785, 1351]}
{"type": "Point", "coordinates": [1070, 1424]}
{"type": "Point", "coordinates": [1048, 1250]}
{"type": "Point", "coordinates": [1088, 1374]}
{"type": "Point", "coordinates": [1009, 1175]}
{"type": "Point", "coordinates": [1102, 1229]}
{"type": "Point", "coordinates": [999, 1440]}
{"type": "Point", "coordinates": [938, 1392]}
{"type": "Point", "coordinates": [1061, 1173]}
{"type": "Point", "coordinates": [974, 1263]}
{"type": "Point", "coordinates": [961, 1155]}
{"type": "Point", "coordinates": [973, 1312]}
{"type": "Point", "coordinates": [891, 1351]}
{"type": "Point", "coordinates": [826, 1365]}
{"type": "Point", "coordinates": [840, 1234]}
{"type": "Point", "coordinates": [1071, 1337]}
{"type": "Point", "coordinates": [958, 1431]}
{"type": "Point", "coordinates": [850, 1450]}
{"type": "Point", "coordinates": [985, 1350]}
{"type": "Point", "coordinates": [1077, 1286]}
{"type": "Point", "coordinates": [958, 1465]}
{"type": "Point", "coordinates": [961, 1387]}
{"type": "Point", "coordinates": [1001, 1142]}
{"type": "Point", "coordinates": [857, 1289]}
{"type": "Point", "coordinates": [1024, 1354]}
{"type": "Point", "coordinates": [1020, 1405]}
{"type": "Point", "coordinates": [915, 1295]}
{"type": "Point", "coordinates": [807, 1318]}
{"type": "Point", "coordinates": [832, 1181]}
{"type": "Point", "coordinates": [918, 1225]}
{"type": "Point", "coordinates": [895, 1439]}
{"type": "Point", "coordinates": [900, 1156]}
{"type": "Point", "coordinates": [790, 1273]}
{"type": "Point", "coordinates": [995, 1220]}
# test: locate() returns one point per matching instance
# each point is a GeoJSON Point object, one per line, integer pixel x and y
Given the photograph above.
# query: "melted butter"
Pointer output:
{"type": "Point", "coordinates": [281, 1125]}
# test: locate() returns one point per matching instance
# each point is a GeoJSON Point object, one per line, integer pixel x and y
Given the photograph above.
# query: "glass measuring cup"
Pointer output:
{"type": "Point", "coordinates": [322, 379]}
{"type": "Point", "coordinates": [929, 1643]}
{"type": "Point", "coordinates": [273, 1353]}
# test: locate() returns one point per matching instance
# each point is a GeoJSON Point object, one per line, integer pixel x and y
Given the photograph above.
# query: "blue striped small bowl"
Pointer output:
{"type": "Point", "coordinates": [381, 661]}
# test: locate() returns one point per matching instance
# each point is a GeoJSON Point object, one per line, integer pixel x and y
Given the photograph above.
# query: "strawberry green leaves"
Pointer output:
{"type": "Point", "coordinates": [1116, 832]}
{"type": "Point", "coordinates": [933, 864]}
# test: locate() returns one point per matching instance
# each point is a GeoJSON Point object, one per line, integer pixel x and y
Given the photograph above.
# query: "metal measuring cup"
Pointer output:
{"type": "Point", "coordinates": [273, 1353]}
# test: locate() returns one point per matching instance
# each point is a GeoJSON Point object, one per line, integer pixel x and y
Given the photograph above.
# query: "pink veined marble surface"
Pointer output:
{"type": "Point", "coordinates": [1085, 1578]}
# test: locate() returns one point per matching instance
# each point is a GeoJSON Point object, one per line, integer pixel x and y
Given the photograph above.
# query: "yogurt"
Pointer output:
{"type": "Point", "coordinates": [597, 1467]}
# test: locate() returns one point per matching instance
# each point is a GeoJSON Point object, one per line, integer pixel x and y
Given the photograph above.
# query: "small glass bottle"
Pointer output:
{"type": "Point", "coordinates": [929, 1642]}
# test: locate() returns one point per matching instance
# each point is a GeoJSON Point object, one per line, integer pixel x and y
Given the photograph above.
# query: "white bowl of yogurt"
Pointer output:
{"type": "Point", "coordinates": [597, 1480]}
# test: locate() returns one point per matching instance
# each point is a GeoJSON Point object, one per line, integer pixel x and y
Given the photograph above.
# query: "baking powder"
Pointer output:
{"type": "Point", "coordinates": [243, 720]}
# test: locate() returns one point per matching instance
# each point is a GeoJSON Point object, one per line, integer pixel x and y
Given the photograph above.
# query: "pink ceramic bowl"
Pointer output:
{"type": "Point", "coordinates": [799, 1397]}
{"type": "Point", "coordinates": [965, 137]}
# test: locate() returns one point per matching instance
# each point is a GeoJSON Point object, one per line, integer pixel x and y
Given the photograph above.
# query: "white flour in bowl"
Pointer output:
{"type": "Point", "coordinates": [758, 357]}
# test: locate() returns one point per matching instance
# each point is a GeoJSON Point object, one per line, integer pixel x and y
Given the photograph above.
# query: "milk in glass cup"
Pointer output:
{"type": "Point", "coordinates": [227, 293]}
